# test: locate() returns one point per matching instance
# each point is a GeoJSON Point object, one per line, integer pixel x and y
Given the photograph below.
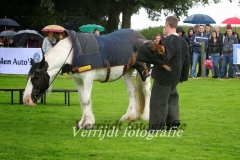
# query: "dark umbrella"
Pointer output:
{"type": "Point", "coordinates": [199, 19]}
{"type": "Point", "coordinates": [7, 33]}
{"type": "Point", "coordinates": [23, 35]}
{"type": "Point", "coordinates": [91, 27]}
{"type": "Point", "coordinates": [8, 22]}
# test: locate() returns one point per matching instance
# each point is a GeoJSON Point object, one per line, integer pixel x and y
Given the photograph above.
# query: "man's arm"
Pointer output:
{"type": "Point", "coordinates": [145, 55]}
{"type": "Point", "coordinates": [186, 64]}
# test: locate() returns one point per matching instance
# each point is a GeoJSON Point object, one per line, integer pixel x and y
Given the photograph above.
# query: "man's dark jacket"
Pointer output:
{"type": "Point", "coordinates": [177, 57]}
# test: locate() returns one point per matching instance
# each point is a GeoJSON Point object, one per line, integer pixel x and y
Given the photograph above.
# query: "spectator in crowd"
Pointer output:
{"type": "Point", "coordinates": [208, 30]}
{"type": "Point", "coordinates": [227, 54]}
{"type": "Point", "coordinates": [11, 43]}
{"type": "Point", "coordinates": [157, 38]}
{"type": "Point", "coordinates": [164, 34]}
{"type": "Point", "coordinates": [219, 34]}
{"type": "Point", "coordinates": [96, 31]}
{"type": "Point", "coordinates": [60, 36]}
{"type": "Point", "coordinates": [196, 28]}
{"type": "Point", "coordinates": [200, 38]}
{"type": "Point", "coordinates": [1, 41]}
{"type": "Point", "coordinates": [228, 26]}
{"type": "Point", "coordinates": [181, 32]}
{"type": "Point", "coordinates": [208, 33]}
{"type": "Point", "coordinates": [214, 51]}
{"type": "Point", "coordinates": [32, 42]}
{"type": "Point", "coordinates": [190, 42]}
{"type": "Point", "coordinates": [48, 42]}
{"type": "Point", "coordinates": [236, 35]}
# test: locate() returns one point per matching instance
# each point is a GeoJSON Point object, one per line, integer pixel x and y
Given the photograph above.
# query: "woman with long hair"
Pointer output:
{"type": "Point", "coordinates": [214, 52]}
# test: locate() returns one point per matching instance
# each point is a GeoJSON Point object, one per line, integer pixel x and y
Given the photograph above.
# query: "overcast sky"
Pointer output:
{"type": "Point", "coordinates": [219, 12]}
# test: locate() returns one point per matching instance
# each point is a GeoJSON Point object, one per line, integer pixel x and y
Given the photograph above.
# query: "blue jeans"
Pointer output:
{"type": "Point", "coordinates": [215, 57]}
{"type": "Point", "coordinates": [191, 62]}
{"type": "Point", "coordinates": [227, 59]}
{"type": "Point", "coordinates": [196, 59]}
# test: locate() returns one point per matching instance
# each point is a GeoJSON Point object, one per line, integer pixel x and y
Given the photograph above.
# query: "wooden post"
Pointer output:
{"type": "Point", "coordinates": [202, 60]}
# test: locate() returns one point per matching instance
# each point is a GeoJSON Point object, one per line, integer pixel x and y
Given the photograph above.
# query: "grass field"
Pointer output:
{"type": "Point", "coordinates": [209, 109]}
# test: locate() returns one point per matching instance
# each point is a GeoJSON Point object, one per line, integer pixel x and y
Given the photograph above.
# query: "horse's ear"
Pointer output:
{"type": "Point", "coordinates": [41, 65]}
{"type": "Point", "coordinates": [45, 66]}
{"type": "Point", "coordinates": [32, 62]}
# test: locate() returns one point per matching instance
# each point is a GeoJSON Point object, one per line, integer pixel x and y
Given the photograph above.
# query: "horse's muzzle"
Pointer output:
{"type": "Point", "coordinates": [28, 101]}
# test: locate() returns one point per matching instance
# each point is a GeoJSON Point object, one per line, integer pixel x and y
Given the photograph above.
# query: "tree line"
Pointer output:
{"type": "Point", "coordinates": [71, 14]}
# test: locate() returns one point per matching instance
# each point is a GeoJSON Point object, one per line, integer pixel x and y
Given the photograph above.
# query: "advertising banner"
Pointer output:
{"type": "Point", "coordinates": [17, 60]}
{"type": "Point", "coordinates": [236, 60]}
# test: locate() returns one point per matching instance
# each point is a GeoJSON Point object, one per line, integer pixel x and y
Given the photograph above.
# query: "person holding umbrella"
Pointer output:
{"type": "Point", "coordinates": [1, 42]}
{"type": "Point", "coordinates": [227, 54]}
{"type": "Point", "coordinates": [199, 39]}
{"type": "Point", "coordinates": [48, 42]}
{"type": "Point", "coordinates": [61, 36]}
{"type": "Point", "coordinates": [11, 43]}
{"type": "Point", "coordinates": [96, 31]}
{"type": "Point", "coordinates": [32, 42]}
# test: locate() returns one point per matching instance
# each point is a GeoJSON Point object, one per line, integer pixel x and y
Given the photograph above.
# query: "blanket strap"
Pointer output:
{"type": "Point", "coordinates": [126, 68]}
{"type": "Point", "coordinates": [108, 71]}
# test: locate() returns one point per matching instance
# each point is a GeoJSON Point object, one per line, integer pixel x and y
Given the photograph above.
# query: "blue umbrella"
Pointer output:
{"type": "Point", "coordinates": [199, 19]}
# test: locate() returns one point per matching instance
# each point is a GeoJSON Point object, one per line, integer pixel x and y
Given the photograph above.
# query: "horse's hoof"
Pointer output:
{"type": "Point", "coordinates": [145, 117]}
{"type": "Point", "coordinates": [128, 118]}
{"type": "Point", "coordinates": [78, 126]}
{"type": "Point", "coordinates": [88, 126]}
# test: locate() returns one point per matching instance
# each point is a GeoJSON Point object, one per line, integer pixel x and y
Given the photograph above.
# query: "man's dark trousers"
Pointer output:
{"type": "Point", "coordinates": [164, 107]}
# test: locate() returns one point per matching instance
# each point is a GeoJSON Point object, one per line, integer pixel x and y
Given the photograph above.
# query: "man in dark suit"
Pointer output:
{"type": "Point", "coordinates": [164, 109]}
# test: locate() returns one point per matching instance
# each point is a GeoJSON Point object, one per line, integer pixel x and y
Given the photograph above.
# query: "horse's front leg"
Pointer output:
{"type": "Point", "coordinates": [133, 108]}
{"type": "Point", "coordinates": [84, 91]}
{"type": "Point", "coordinates": [146, 90]}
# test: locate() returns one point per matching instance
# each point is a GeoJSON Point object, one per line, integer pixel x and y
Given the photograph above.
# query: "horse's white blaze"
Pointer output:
{"type": "Point", "coordinates": [84, 81]}
{"type": "Point", "coordinates": [27, 100]}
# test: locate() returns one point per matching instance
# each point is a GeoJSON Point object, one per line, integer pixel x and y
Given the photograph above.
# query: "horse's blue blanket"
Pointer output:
{"type": "Point", "coordinates": [89, 49]}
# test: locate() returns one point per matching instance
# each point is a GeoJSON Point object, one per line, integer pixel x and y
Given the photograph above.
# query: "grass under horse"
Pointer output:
{"type": "Point", "coordinates": [42, 74]}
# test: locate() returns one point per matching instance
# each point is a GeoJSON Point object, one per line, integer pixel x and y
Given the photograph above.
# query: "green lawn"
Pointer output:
{"type": "Point", "coordinates": [209, 110]}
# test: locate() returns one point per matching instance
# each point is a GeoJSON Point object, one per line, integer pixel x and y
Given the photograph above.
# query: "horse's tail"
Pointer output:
{"type": "Point", "coordinates": [141, 97]}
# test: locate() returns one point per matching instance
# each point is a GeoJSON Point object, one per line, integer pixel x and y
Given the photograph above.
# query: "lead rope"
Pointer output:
{"type": "Point", "coordinates": [61, 67]}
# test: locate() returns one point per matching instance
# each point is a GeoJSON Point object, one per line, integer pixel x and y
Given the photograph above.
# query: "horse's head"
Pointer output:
{"type": "Point", "coordinates": [38, 82]}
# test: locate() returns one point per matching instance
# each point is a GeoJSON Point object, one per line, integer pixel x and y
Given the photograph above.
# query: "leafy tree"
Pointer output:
{"type": "Point", "coordinates": [39, 13]}
{"type": "Point", "coordinates": [29, 14]}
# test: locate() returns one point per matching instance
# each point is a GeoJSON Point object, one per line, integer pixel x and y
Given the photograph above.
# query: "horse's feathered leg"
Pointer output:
{"type": "Point", "coordinates": [84, 91]}
{"type": "Point", "coordinates": [133, 108]}
{"type": "Point", "coordinates": [144, 94]}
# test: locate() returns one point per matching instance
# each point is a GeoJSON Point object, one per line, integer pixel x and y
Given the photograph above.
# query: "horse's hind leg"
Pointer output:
{"type": "Point", "coordinates": [133, 108]}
